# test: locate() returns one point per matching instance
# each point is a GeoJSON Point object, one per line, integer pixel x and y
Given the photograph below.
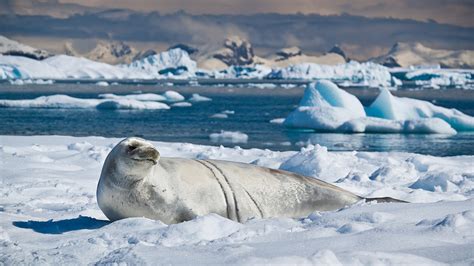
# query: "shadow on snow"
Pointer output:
{"type": "Point", "coordinates": [62, 226]}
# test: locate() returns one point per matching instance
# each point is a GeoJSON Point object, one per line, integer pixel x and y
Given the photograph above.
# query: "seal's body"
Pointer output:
{"type": "Point", "coordinates": [135, 182]}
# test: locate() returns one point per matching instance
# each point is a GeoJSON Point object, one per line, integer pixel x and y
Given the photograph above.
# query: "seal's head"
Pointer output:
{"type": "Point", "coordinates": [132, 158]}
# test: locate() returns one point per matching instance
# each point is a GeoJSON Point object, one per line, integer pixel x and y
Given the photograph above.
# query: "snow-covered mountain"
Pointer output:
{"type": "Point", "coordinates": [112, 52]}
{"type": "Point", "coordinates": [294, 55]}
{"type": "Point", "coordinates": [415, 54]}
{"type": "Point", "coordinates": [11, 47]}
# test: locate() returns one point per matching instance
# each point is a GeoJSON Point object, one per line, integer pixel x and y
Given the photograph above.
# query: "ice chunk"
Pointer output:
{"type": "Point", "coordinates": [229, 137]}
{"type": "Point", "coordinates": [173, 96]}
{"type": "Point", "coordinates": [199, 98]}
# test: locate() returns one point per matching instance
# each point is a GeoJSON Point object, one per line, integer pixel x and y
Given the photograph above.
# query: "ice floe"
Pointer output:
{"type": "Point", "coordinates": [49, 212]}
{"type": "Point", "coordinates": [68, 102]}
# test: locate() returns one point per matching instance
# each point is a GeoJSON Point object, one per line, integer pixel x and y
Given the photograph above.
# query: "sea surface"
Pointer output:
{"type": "Point", "coordinates": [253, 107]}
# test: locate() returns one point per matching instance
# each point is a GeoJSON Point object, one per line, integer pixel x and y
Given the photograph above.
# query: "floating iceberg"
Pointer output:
{"type": "Point", "coordinates": [199, 98]}
{"type": "Point", "coordinates": [173, 96]}
{"type": "Point", "coordinates": [325, 107]}
{"type": "Point", "coordinates": [395, 108]}
{"type": "Point", "coordinates": [68, 102]}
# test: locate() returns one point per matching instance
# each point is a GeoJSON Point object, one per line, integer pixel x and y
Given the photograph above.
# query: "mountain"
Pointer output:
{"type": "Point", "coordinates": [112, 52]}
{"type": "Point", "coordinates": [412, 54]}
{"type": "Point", "coordinates": [11, 47]}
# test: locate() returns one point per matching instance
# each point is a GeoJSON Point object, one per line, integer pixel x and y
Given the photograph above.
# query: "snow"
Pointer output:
{"type": "Point", "coordinates": [229, 137]}
{"type": "Point", "coordinates": [325, 107]}
{"type": "Point", "coordinates": [50, 214]}
{"type": "Point", "coordinates": [68, 102]}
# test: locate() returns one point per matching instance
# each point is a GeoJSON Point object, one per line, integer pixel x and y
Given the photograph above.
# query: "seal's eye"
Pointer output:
{"type": "Point", "coordinates": [131, 147]}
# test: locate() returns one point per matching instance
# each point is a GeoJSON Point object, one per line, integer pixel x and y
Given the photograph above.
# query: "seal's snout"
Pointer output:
{"type": "Point", "coordinates": [142, 151]}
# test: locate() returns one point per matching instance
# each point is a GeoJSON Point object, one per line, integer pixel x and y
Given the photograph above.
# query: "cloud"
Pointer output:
{"type": "Point", "coordinates": [458, 12]}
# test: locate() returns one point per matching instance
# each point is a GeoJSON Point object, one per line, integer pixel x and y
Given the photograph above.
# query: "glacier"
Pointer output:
{"type": "Point", "coordinates": [325, 107]}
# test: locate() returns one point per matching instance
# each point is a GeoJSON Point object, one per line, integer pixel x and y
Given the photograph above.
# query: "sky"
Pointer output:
{"type": "Point", "coordinates": [363, 28]}
{"type": "Point", "coordinates": [457, 12]}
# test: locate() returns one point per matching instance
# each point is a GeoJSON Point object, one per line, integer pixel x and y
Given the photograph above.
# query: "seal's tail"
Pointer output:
{"type": "Point", "coordinates": [385, 199]}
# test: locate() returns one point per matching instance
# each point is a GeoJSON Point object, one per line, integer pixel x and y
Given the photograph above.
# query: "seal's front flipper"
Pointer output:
{"type": "Point", "coordinates": [385, 200]}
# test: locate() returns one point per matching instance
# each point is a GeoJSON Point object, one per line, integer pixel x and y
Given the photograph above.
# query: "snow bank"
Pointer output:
{"type": "Point", "coordinates": [325, 107]}
{"type": "Point", "coordinates": [229, 137]}
{"type": "Point", "coordinates": [49, 211]}
{"type": "Point", "coordinates": [68, 102]}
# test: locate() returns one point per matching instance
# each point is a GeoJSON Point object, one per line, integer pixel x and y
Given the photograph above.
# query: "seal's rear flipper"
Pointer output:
{"type": "Point", "coordinates": [385, 199]}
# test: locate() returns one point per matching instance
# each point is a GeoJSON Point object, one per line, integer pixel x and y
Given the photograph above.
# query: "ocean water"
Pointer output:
{"type": "Point", "coordinates": [253, 111]}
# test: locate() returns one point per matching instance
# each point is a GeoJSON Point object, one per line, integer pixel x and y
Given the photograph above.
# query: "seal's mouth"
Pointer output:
{"type": "Point", "coordinates": [146, 159]}
{"type": "Point", "coordinates": [143, 153]}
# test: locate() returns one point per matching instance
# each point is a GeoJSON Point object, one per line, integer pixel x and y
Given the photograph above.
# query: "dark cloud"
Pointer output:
{"type": "Point", "coordinates": [313, 33]}
{"type": "Point", "coordinates": [458, 12]}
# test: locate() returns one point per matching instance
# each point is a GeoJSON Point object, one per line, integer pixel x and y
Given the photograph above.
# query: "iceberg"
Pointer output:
{"type": "Point", "coordinates": [325, 107]}
{"type": "Point", "coordinates": [396, 108]}
{"type": "Point", "coordinates": [174, 62]}
{"type": "Point", "coordinates": [364, 74]}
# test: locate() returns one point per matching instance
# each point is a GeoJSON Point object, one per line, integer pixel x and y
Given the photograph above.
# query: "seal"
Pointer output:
{"type": "Point", "coordinates": [136, 182]}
